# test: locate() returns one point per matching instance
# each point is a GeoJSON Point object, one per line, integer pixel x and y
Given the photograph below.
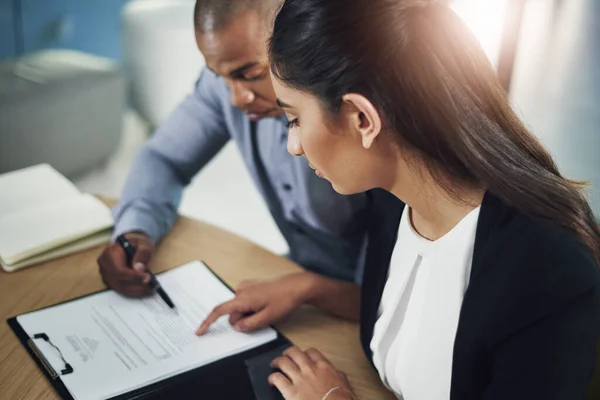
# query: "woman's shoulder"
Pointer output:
{"type": "Point", "coordinates": [544, 240]}
{"type": "Point", "coordinates": [543, 254]}
{"type": "Point", "coordinates": [527, 269]}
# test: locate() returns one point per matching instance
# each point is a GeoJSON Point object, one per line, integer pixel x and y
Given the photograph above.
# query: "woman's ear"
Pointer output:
{"type": "Point", "coordinates": [363, 117]}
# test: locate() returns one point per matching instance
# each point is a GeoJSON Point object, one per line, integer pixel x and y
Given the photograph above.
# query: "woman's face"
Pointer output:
{"type": "Point", "coordinates": [335, 147]}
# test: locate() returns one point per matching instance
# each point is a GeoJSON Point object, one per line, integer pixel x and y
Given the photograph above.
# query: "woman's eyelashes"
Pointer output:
{"type": "Point", "coordinates": [292, 124]}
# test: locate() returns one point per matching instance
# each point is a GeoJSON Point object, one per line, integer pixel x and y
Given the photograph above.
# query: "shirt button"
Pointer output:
{"type": "Point", "coordinates": [287, 187]}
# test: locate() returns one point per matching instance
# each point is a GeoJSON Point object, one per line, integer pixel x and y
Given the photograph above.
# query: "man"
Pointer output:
{"type": "Point", "coordinates": [233, 100]}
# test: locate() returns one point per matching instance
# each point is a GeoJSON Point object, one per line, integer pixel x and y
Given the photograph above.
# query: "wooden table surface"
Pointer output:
{"type": "Point", "coordinates": [234, 259]}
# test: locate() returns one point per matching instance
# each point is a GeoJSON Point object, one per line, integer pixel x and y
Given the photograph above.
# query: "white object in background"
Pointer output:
{"type": "Point", "coordinates": [60, 107]}
{"type": "Point", "coordinates": [555, 85]}
{"type": "Point", "coordinates": [160, 54]}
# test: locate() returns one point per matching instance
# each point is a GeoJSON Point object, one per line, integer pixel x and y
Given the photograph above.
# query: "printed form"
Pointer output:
{"type": "Point", "coordinates": [116, 345]}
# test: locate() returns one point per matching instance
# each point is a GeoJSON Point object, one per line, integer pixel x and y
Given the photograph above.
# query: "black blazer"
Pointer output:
{"type": "Point", "coordinates": [530, 319]}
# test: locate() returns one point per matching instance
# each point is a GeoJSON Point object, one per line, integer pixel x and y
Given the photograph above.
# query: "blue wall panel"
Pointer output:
{"type": "Point", "coordinates": [92, 26]}
{"type": "Point", "coordinates": [7, 39]}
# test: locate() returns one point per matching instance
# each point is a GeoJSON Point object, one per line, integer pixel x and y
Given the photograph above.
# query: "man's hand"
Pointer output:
{"type": "Point", "coordinates": [132, 282]}
{"type": "Point", "coordinates": [259, 304]}
{"type": "Point", "coordinates": [308, 375]}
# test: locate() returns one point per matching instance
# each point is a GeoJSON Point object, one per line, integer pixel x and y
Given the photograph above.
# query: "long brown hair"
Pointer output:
{"type": "Point", "coordinates": [428, 76]}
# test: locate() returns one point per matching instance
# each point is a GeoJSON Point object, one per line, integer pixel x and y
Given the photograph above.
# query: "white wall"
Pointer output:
{"type": "Point", "coordinates": [556, 84]}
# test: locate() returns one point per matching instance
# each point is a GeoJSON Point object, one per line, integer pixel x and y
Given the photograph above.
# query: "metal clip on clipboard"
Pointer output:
{"type": "Point", "coordinates": [68, 369]}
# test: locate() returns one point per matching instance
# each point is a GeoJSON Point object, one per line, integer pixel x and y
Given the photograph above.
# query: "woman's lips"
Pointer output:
{"type": "Point", "coordinates": [317, 172]}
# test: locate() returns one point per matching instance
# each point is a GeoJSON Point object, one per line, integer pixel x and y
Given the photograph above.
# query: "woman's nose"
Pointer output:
{"type": "Point", "coordinates": [293, 144]}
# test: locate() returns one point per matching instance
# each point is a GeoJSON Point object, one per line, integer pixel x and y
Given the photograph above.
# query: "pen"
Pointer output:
{"type": "Point", "coordinates": [154, 283]}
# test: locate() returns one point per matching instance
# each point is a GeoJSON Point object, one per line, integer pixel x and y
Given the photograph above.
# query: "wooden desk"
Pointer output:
{"type": "Point", "coordinates": [233, 258]}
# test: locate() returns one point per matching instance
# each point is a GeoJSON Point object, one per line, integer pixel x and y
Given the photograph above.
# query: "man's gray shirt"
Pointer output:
{"type": "Point", "coordinates": [325, 231]}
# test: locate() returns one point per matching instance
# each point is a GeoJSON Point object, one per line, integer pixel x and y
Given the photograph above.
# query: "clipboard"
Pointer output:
{"type": "Point", "coordinates": [242, 376]}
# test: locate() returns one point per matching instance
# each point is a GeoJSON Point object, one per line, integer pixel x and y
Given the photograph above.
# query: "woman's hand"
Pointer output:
{"type": "Point", "coordinates": [308, 375]}
{"type": "Point", "coordinates": [259, 304]}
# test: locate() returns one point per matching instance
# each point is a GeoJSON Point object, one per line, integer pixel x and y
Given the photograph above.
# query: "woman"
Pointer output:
{"type": "Point", "coordinates": [485, 283]}
{"type": "Point", "coordinates": [492, 288]}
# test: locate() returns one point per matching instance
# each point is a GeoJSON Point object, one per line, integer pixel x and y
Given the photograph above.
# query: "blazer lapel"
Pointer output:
{"type": "Point", "coordinates": [383, 232]}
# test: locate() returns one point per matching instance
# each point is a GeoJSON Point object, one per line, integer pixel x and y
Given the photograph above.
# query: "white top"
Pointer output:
{"type": "Point", "coordinates": [413, 338]}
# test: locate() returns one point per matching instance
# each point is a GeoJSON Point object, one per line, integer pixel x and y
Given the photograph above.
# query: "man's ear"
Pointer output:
{"type": "Point", "coordinates": [363, 117]}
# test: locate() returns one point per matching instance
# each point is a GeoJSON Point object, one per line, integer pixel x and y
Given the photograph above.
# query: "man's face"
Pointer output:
{"type": "Point", "coordinates": [238, 53]}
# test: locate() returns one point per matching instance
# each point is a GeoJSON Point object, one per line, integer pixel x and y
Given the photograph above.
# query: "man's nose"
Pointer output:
{"type": "Point", "coordinates": [241, 96]}
{"type": "Point", "coordinates": [293, 144]}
